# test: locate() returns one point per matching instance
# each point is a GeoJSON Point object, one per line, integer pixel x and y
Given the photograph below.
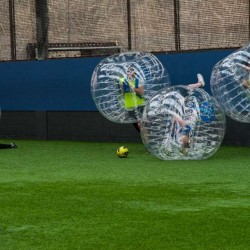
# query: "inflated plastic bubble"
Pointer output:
{"type": "Point", "coordinates": [122, 83]}
{"type": "Point", "coordinates": [230, 84]}
{"type": "Point", "coordinates": [181, 124]}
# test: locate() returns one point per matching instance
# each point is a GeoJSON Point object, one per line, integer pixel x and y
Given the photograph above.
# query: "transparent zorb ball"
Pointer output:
{"type": "Point", "coordinates": [182, 124]}
{"type": "Point", "coordinates": [121, 84]}
{"type": "Point", "coordinates": [230, 84]}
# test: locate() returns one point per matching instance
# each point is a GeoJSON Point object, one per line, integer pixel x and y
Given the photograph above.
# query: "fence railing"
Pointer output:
{"type": "Point", "coordinates": [41, 29]}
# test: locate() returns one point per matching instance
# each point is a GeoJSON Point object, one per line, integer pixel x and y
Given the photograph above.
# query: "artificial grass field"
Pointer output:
{"type": "Point", "coordinates": [76, 195]}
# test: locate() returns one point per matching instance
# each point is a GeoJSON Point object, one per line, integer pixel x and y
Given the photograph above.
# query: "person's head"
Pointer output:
{"type": "Point", "coordinates": [131, 72]}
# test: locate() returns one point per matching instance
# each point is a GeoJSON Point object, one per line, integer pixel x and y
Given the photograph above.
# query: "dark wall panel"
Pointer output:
{"type": "Point", "coordinates": [89, 126]}
{"type": "Point", "coordinates": [237, 134]}
{"type": "Point", "coordinates": [23, 125]}
{"type": "Point", "coordinates": [76, 126]}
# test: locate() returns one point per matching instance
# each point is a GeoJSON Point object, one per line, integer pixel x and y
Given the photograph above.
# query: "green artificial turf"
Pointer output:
{"type": "Point", "coordinates": [76, 195]}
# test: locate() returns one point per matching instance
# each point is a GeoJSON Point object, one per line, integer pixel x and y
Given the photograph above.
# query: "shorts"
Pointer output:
{"type": "Point", "coordinates": [186, 130]}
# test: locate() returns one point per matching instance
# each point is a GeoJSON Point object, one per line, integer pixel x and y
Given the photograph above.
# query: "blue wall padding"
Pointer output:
{"type": "Point", "coordinates": [64, 84]}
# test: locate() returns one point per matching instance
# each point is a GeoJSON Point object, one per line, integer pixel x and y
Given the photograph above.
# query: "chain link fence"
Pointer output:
{"type": "Point", "coordinates": [40, 29]}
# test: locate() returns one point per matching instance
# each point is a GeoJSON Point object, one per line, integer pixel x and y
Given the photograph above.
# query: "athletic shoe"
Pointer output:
{"type": "Point", "coordinates": [13, 145]}
{"type": "Point", "coordinates": [201, 80]}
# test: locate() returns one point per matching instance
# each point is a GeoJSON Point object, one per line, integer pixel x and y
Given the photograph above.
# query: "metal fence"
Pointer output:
{"type": "Point", "coordinates": [40, 29]}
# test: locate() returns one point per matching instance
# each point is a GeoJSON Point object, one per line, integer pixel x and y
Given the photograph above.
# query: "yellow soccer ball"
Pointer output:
{"type": "Point", "coordinates": [122, 152]}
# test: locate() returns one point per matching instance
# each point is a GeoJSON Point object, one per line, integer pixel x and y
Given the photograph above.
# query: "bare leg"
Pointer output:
{"type": "Point", "coordinates": [199, 84]}
{"type": "Point", "coordinates": [195, 85]}
{"type": "Point", "coordinates": [137, 126]}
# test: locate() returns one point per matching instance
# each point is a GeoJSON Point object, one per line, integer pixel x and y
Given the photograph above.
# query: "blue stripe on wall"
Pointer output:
{"type": "Point", "coordinates": [183, 67]}
{"type": "Point", "coordinates": [64, 84]}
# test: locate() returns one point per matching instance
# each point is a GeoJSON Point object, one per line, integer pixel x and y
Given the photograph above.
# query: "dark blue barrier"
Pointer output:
{"type": "Point", "coordinates": [64, 84]}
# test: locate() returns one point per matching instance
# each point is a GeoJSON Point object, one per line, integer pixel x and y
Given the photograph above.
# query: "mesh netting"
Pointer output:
{"type": "Point", "coordinates": [69, 28]}
{"type": "Point", "coordinates": [213, 23]}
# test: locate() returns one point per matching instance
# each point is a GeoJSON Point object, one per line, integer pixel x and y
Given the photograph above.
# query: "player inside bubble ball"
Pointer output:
{"type": "Point", "coordinates": [186, 131]}
{"type": "Point", "coordinates": [190, 116]}
{"type": "Point", "coordinates": [246, 82]}
{"type": "Point", "coordinates": [132, 88]}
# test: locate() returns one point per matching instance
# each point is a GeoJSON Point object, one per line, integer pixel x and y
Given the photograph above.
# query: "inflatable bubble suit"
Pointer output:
{"type": "Point", "coordinates": [230, 84]}
{"type": "Point", "coordinates": [122, 83]}
{"type": "Point", "coordinates": [182, 124]}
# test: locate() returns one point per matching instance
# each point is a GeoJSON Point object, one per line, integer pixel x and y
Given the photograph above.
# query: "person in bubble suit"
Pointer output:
{"type": "Point", "coordinates": [187, 122]}
{"type": "Point", "coordinates": [186, 131]}
{"type": "Point", "coordinates": [132, 91]}
{"type": "Point", "coordinates": [246, 82]}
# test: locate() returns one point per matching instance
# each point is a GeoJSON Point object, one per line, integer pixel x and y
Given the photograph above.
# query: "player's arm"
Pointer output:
{"type": "Point", "coordinates": [180, 121]}
{"type": "Point", "coordinates": [139, 89]}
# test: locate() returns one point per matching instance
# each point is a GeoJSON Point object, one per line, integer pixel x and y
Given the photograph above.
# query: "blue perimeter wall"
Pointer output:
{"type": "Point", "coordinates": [64, 84]}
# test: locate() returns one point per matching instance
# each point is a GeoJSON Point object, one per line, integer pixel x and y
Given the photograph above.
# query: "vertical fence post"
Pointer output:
{"type": "Point", "coordinates": [249, 20]}
{"type": "Point", "coordinates": [129, 24]}
{"type": "Point", "coordinates": [42, 24]}
{"type": "Point", "coordinates": [177, 24]}
{"type": "Point", "coordinates": [12, 29]}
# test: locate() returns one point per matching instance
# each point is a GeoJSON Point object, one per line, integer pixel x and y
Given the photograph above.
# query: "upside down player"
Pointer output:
{"type": "Point", "coordinates": [190, 116]}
